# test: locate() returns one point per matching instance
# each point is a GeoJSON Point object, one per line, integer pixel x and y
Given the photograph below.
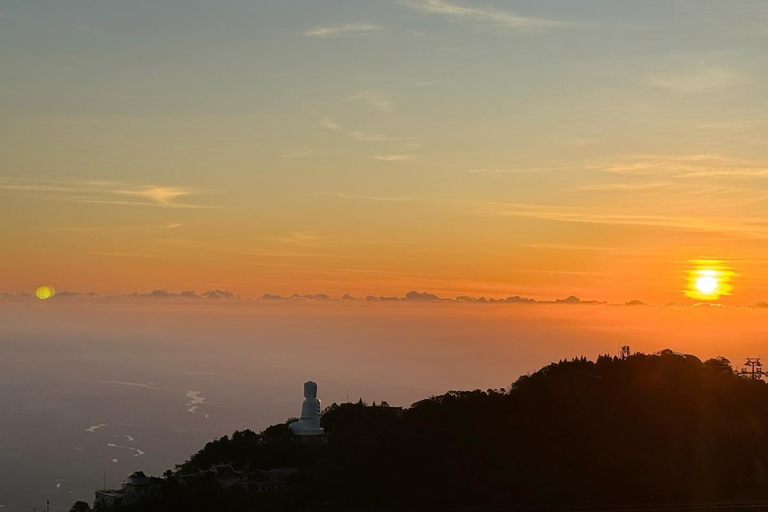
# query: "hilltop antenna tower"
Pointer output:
{"type": "Point", "coordinates": [753, 369]}
{"type": "Point", "coordinates": [624, 352]}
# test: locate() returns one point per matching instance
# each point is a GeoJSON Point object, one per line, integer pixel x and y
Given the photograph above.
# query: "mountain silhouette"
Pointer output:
{"type": "Point", "coordinates": [645, 429]}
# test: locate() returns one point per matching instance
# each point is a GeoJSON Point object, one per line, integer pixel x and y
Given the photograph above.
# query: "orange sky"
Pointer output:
{"type": "Point", "coordinates": [457, 148]}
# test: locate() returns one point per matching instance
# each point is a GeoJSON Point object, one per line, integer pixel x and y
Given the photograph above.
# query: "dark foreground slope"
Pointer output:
{"type": "Point", "coordinates": [651, 428]}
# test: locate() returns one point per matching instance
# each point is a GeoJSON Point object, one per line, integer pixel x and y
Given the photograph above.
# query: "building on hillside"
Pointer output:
{"type": "Point", "coordinates": [136, 488]}
{"type": "Point", "coordinates": [276, 479]}
{"type": "Point", "coordinates": [226, 477]}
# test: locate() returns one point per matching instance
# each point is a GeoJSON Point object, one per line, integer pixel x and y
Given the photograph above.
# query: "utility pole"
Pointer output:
{"type": "Point", "coordinates": [753, 368]}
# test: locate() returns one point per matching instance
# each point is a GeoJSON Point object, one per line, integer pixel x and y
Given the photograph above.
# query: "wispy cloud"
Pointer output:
{"type": "Point", "coordinates": [164, 195]}
{"type": "Point", "coordinates": [102, 192]}
{"type": "Point", "coordinates": [32, 185]}
{"type": "Point", "coordinates": [302, 152]}
{"type": "Point", "coordinates": [698, 81]}
{"type": "Point", "coordinates": [685, 166]}
{"type": "Point", "coordinates": [118, 228]}
{"type": "Point", "coordinates": [489, 15]}
{"type": "Point", "coordinates": [393, 158]}
{"type": "Point", "coordinates": [567, 247]}
{"type": "Point", "coordinates": [378, 198]}
{"type": "Point", "coordinates": [374, 100]}
{"type": "Point", "coordinates": [355, 134]}
{"type": "Point", "coordinates": [312, 254]}
{"type": "Point", "coordinates": [609, 187]}
{"type": "Point", "coordinates": [521, 170]}
{"type": "Point", "coordinates": [491, 172]}
{"type": "Point", "coordinates": [86, 200]}
{"type": "Point", "coordinates": [101, 253]}
{"type": "Point", "coordinates": [593, 216]}
{"type": "Point", "coordinates": [349, 30]}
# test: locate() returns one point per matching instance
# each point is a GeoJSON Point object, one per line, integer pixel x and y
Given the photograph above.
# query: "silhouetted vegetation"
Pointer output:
{"type": "Point", "coordinates": [80, 506]}
{"type": "Point", "coordinates": [649, 428]}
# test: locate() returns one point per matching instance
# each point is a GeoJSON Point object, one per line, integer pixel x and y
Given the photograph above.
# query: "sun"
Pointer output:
{"type": "Point", "coordinates": [45, 292]}
{"type": "Point", "coordinates": [707, 283]}
{"type": "Point", "coordinates": [708, 280]}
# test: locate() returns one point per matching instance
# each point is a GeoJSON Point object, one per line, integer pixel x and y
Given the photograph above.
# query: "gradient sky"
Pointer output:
{"type": "Point", "coordinates": [481, 147]}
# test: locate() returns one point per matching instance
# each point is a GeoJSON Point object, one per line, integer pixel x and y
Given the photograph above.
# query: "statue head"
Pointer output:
{"type": "Point", "coordinates": [310, 389]}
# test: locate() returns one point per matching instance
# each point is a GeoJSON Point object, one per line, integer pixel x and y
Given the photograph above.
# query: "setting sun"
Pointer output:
{"type": "Point", "coordinates": [709, 280]}
{"type": "Point", "coordinates": [707, 283]}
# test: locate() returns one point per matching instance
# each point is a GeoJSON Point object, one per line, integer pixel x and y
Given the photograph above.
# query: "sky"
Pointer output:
{"type": "Point", "coordinates": [476, 147]}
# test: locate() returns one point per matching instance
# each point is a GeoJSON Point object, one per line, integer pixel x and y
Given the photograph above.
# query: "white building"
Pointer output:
{"type": "Point", "coordinates": [135, 489]}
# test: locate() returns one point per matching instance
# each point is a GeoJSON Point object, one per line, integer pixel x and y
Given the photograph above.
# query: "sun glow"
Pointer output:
{"type": "Point", "coordinates": [708, 280]}
{"type": "Point", "coordinates": [45, 292]}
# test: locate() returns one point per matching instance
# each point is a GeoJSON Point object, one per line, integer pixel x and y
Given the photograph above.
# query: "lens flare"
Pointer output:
{"type": "Point", "coordinates": [709, 280]}
{"type": "Point", "coordinates": [45, 292]}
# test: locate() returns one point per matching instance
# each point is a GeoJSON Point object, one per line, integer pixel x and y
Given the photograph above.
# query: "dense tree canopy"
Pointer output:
{"type": "Point", "coordinates": [649, 428]}
{"type": "Point", "coordinates": [80, 506]}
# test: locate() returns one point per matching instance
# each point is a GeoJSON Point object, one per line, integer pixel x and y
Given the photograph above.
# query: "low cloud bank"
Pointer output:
{"type": "Point", "coordinates": [297, 296]}
{"type": "Point", "coordinates": [411, 296]}
{"type": "Point", "coordinates": [417, 296]}
{"type": "Point", "coordinates": [155, 294]}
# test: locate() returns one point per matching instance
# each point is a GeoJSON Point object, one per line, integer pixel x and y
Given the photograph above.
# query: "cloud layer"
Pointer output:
{"type": "Point", "coordinates": [103, 192]}
{"type": "Point", "coordinates": [485, 15]}
{"type": "Point", "coordinates": [347, 31]}
{"type": "Point", "coordinates": [412, 296]}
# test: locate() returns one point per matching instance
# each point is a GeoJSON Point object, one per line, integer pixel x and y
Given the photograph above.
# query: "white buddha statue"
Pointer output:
{"type": "Point", "coordinates": [309, 423]}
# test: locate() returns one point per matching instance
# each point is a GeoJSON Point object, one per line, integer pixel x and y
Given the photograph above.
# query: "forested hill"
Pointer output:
{"type": "Point", "coordinates": [649, 428]}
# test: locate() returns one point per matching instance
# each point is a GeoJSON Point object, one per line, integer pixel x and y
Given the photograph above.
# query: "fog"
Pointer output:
{"type": "Point", "coordinates": [142, 384]}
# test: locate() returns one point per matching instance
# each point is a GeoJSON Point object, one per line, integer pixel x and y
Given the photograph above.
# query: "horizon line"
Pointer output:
{"type": "Point", "coordinates": [412, 296]}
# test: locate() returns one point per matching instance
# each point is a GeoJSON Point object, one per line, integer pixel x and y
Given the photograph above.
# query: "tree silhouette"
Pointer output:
{"type": "Point", "coordinates": [80, 506]}
{"type": "Point", "coordinates": [648, 428]}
